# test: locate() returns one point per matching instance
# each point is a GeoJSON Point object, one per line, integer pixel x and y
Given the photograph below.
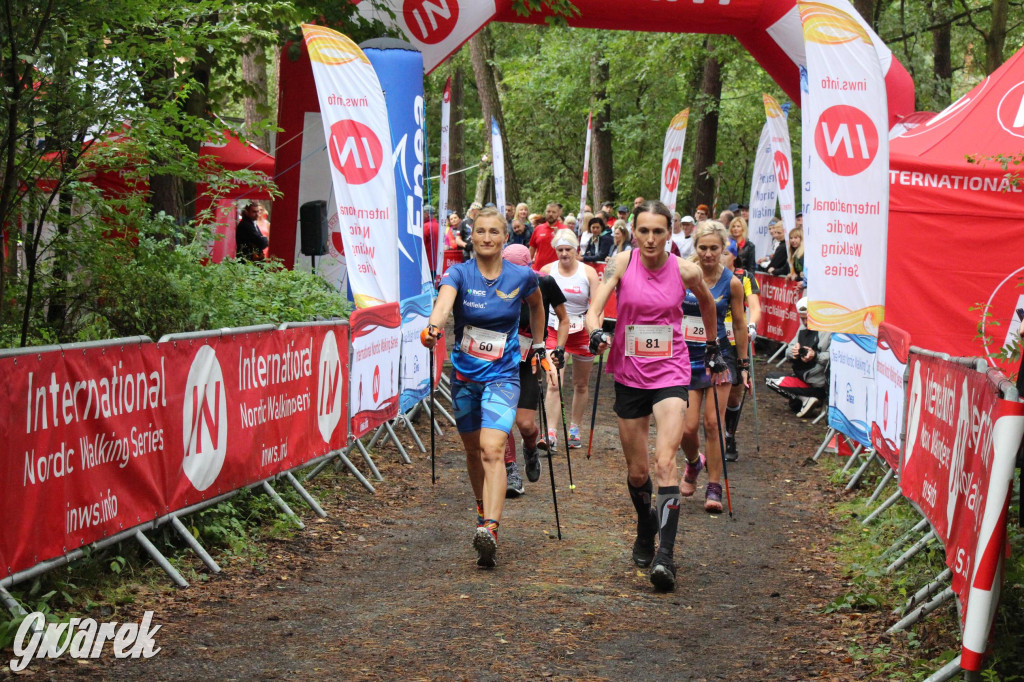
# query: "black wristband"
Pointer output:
{"type": "Point", "coordinates": [712, 345]}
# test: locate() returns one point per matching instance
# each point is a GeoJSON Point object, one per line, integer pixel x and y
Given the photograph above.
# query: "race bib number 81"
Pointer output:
{"type": "Point", "coordinates": [649, 341]}
{"type": "Point", "coordinates": [483, 343]}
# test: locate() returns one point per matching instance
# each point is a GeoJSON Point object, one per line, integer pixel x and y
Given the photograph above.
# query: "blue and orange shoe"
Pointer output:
{"type": "Point", "coordinates": [485, 542]}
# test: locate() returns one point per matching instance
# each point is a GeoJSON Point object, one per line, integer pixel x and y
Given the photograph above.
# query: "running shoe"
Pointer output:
{"type": "Point", "coordinates": [575, 441]}
{"type": "Point", "coordinates": [731, 453]}
{"type": "Point", "coordinates": [713, 498]}
{"type": "Point", "coordinates": [688, 486]}
{"type": "Point", "coordinates": [552, 440]}
{"type": "Point", "coordinates": [663, 573]}
{"type": "Point", "coordinates": [513, 481]}
{"type": "Point", "coordinates": [532, 464]}
{"type": "Point", "coordinates": [808, 405]}
{"type": "Point", "coordinates": [485, 542]}
{"type": "Point", "coordinates": [643, 545]}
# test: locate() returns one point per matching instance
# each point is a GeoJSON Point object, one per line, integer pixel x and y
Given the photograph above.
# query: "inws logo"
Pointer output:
{"type": "Point", "coordinates": [1011, 110]}
{"type": "Point", "coordinates": [782, 170]}
{"type": "Point", "coordinates": [671, 178]}
{"type": "Point", "coordinates": [846, 139]}
{"type": "Point", "coordinates": [431, 21]}
{"type": "Point", "coordinates": [329, 387]}
{"type": "Point", "coordinates": [204, 420]}
{"type": "Point", "coordinates": [355, 151]}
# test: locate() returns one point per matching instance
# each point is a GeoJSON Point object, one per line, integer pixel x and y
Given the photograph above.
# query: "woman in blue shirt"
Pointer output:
{"type": "Point", "coordinates": [486, 295]}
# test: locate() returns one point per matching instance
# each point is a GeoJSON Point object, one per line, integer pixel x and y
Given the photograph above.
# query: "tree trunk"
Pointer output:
{"type": "Point", "coordinates": [866, 8]}
{"type": "Point", "coordinates": [603, 179]}
{"type": "Point", "coordinates": [487, 86]}
{"type": "Point", "coordinates": [196, 107]}
{"type": "Point", "coordinates": [255, 104]}
{"type": "Point", "coordinates": [457, 146]}
{"type": "Point", "coordinates": [995, 40]}
{"type": "Point", "coordinates": [707, 128]}
{"type": "Point", "coordinates": [942, 58]}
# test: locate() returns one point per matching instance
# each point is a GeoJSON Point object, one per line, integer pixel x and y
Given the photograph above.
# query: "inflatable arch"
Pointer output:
{"type": "Point", "coordinates": [769, 29]}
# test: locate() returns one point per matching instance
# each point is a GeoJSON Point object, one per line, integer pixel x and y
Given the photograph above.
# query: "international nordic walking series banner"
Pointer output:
{"type": "Point", "coordinates": [845, 227]}
{"type": "Point", "coordinates": [498, 162]}
{"type": "Point", "coordinates": [763, 195]}
{"type": "Point", "coordinates": [782, 159]}
{"type": "Point", "coordinates": [376, 340]}
{"type": "Point", "coordinates": [355, 123]}
{"type": "Point", "coordinates": [442, 194]}
{"type": "Point", "coordinates": [671, 158]}
{"type": "Point", "coordinates": [586, 169]}
{"type": "Point", "coordinates": [98, 440]}
{"type": "Point", "coordinates": [779, 319]}
{"type": "Point", "coordinates": [958, 466]}
{"type": "Point", "coordinates": [399, 73]}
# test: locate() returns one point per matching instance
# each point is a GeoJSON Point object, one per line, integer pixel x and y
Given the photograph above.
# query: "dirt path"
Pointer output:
{"type": "Point", "coordinates": [386, 587]}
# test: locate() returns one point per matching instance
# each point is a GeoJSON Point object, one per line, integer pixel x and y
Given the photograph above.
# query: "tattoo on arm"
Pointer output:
{"type": "Point", "coordinates": [609, 270]}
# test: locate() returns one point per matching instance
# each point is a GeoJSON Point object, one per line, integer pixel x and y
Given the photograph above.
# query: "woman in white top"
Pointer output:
{"type": "Point", "coordinates": [576, 280]}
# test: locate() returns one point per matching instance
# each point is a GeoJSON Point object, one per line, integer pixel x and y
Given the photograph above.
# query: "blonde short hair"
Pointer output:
{"type": "Point", "coordinates": [565, 235]}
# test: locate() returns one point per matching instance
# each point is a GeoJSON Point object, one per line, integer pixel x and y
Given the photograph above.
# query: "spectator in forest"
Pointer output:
{"type": "Point", "coordinates": [600, 242]}
{"type": "Point", "coordinates": [701, 213]}
{"type": "Point", "coordinates": [778, 263]}
{"type": "Point", "coordinates": [520, 233]}
{"type": "Point", "coordinates": [808, 355]}
{"type": "Point", "coordinates": [249, 241]}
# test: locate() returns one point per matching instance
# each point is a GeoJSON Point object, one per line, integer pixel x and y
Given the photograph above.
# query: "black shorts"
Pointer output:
{"type": "Point", "coordinates": [634, 403]}
{"type": "Point", "coordinates": [529, 387]}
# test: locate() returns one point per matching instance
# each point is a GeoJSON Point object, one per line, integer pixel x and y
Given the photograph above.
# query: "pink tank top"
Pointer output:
{"type": "Point", "coordinates": [650, 298]}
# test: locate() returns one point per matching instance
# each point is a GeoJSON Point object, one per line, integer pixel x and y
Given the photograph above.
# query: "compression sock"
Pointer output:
{"type": "Point", "coordinates": [641, 498]}
{"type": "Point", "coordinates": [668, 517]}
{"type": "Point", "coordinates": [479, 513]}
{"type": "Point", "coordinates": [732, 418]}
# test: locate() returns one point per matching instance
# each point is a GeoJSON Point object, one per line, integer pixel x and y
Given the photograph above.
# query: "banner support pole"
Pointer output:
{"type": "Point", "coordinates": [884, 482]}
{"type": "Point", "coordinates": [11, 603]}
{"type": "Point", "coordinates": [160, 559]}
{"type": "Point", "coordinates": [918, 527]}
{"type": "Point", "coordinates": [824, 443]}
{"type": "Point", "coordinates": [366, 455]}
{"type": "Point", "coordinates": [926, 591]}
{"type": "Point", "coordinates": [910, 553]}
{"type": "Point", "coordinates": [282, 505]}
{"type": "Point", "coordinates": [922, 611]}
{"type": "Point", "coordinates": [194, 544]}
{"type": "Point", "coordinates": [394, 436]}
{"type": "Point", "coordinates": [892, 499]}
{"type": "Point", "coordinates": [304, 494]}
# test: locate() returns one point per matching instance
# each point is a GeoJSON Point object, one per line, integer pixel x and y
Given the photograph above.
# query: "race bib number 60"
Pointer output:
{"type": "Point", "coordinates": [483, 343]}
{"type": "Point", "coordinates": [649, 341]}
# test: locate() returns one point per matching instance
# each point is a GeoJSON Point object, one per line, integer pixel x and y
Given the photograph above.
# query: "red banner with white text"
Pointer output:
{"type": "Point", "coordinates": [779, 321]}
{"type": "Point", "coordinates": [958, 469]}
{"type": "Point", "coordinates": [98, 440]}
{"type": "Point", "coordinates": [376, 349]}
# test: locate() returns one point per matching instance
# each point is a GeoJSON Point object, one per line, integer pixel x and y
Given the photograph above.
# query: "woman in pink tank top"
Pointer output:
{"type": "Point", "coordinates": [651, 366]}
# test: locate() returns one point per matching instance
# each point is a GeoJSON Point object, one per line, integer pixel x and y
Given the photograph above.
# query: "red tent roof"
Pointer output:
{"type": "Point", "coordinates": [956, 220]}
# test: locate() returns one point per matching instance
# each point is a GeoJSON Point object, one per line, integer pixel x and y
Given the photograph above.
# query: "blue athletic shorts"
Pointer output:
{"type": "Point", "coordinates": [485, 406]}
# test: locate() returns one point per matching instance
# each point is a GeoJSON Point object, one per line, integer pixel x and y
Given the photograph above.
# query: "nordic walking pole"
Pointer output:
{"type": "Point", "coordinates": [721, 445]}
{"type": "Point", "coordinates": [544, 434]}
{"type": "Point", "coordinates": [565, 429]}
{"type": "Point", "coordinates": [597, 391]}
{"type": "Point", "coordinates": [424, 335]}
{"type": "Point", "coordinates": [753, 395]}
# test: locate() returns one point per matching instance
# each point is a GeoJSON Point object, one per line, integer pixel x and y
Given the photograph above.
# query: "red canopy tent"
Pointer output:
{"type": "Point", "coordinates": [956, 220]}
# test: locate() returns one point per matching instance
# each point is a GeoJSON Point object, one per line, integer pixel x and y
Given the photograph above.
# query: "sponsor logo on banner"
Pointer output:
{"type": "Point", "coordinates": [432, 20]}
{"type": "Point", "coordinates": [782, 170]}
{"type": "Point", "coordinates": [846, 139]}
{"type": "Point", "coordinates": [780, 152]}
{"type": "Point", "coordinates": [355, 151]}
{"type": "Point", "coordinates": [204, 420]}
{"type": "Point", "coordinates": [671, 178]}
{"type": "Point", "coordinates": [329, 387]}
{"type": "Point", "coordinates": [1010, 111]}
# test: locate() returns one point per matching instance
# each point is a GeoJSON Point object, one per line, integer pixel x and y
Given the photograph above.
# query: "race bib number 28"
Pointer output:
{"type": "Point", "coordinates": [649, 341]}
{"type": "Point", "coordinates": [483, 343]}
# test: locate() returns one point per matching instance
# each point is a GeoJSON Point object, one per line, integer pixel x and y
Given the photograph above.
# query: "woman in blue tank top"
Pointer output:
{"type": "Point", "coordinates": [710, 238]}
